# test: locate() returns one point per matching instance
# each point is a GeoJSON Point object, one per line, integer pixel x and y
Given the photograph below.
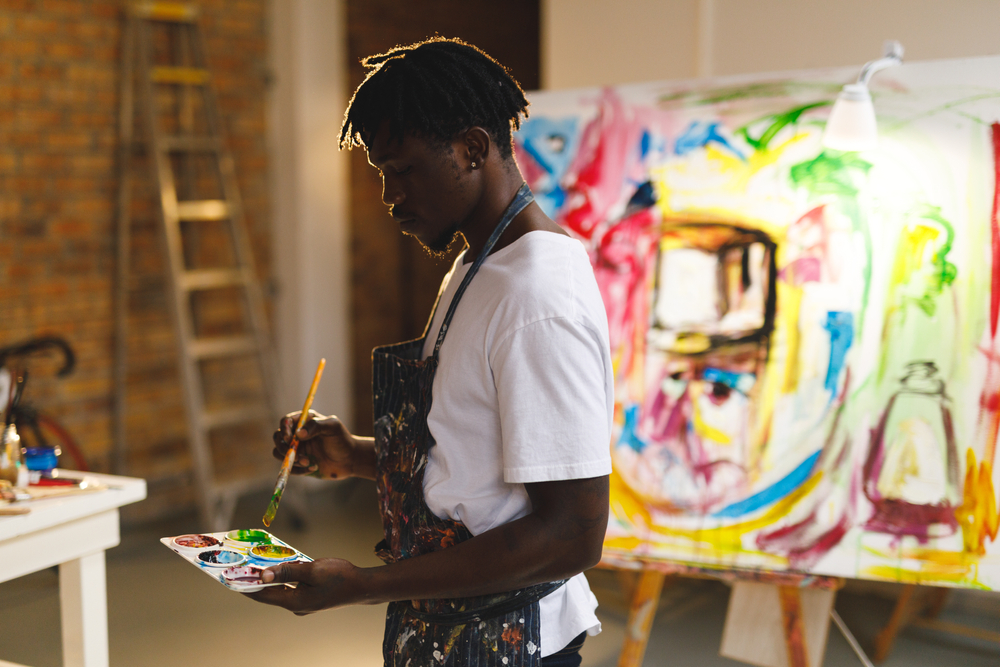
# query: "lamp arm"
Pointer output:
{"type": "Point", "coordinates": [893, 56]}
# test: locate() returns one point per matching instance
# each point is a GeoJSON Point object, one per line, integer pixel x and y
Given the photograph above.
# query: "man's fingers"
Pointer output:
{"type": "Point", "coordinates": [287, 573]}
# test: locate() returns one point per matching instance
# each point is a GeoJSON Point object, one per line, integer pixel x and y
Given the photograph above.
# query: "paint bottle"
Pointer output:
{"type": "Point", "coordinates": [911, 474]}
{"type": "Point", "coordinates": [12, 466]}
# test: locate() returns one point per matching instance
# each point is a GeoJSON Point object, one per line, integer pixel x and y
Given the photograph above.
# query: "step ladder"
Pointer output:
{"type": "Point", "coordinates": [163, 59]}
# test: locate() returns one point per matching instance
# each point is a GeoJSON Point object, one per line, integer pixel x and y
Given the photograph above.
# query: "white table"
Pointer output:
{"type": "Point", "coordinates": [72, 532]}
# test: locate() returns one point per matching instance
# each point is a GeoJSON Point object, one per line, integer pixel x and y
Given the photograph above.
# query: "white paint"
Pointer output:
{"type": "Point", "coordinates": [309, 182]}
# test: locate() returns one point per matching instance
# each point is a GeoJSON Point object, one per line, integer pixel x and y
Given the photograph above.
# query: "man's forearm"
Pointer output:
{"type": "Point", "coordinates": [530, 550]}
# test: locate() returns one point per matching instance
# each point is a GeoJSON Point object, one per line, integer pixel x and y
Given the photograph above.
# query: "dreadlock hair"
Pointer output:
{"type": "Point", "coordinates": [435, 89]}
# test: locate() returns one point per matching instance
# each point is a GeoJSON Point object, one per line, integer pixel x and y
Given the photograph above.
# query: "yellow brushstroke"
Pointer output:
{"type": "Point", "coordinates": [700, 427]}
{"type": "Point", "coordinates": [729, 537]}
{"type": "Point", "coordinates": [625, 504]}
{"type": "Point", "coordinates": [790, 298]}
{"type": "Point", "coordinates": [924, 575]}
{"type": "Point", "coordinates": [978, 512]}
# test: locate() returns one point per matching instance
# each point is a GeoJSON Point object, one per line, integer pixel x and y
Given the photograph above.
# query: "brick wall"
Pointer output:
{"type": "Point", "coordinates": [59, 92]}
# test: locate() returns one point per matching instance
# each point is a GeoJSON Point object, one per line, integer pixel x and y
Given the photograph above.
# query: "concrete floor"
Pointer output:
{"type": "Point", "coordinates": [163, 612]}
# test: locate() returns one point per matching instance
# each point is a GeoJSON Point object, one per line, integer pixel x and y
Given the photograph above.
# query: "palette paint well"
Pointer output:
{"type": "Point", "coordinates": [221, 558]}
{"type": "Point", "coordinates": [273, 552]}
{"type": "Point", "coordinates": [196, 541]}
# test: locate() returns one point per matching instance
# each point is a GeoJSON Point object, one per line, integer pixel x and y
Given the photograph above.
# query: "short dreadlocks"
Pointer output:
{"type": "Point", "coordinates": [434, 89]}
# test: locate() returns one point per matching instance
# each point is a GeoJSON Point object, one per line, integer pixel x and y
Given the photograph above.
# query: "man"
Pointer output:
{"type": "Point", "coordinates": [491, 448]}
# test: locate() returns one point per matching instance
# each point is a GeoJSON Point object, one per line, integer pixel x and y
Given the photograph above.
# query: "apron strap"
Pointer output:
{"type": "Point", "coordinates": [521, 201]}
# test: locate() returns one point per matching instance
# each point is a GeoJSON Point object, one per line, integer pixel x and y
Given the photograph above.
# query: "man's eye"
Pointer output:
{"type": "Point", "coordinates": [403, 171]}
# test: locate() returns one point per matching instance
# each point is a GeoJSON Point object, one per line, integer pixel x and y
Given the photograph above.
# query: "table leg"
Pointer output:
{"type": "Point", "coordinates": [83, 601]}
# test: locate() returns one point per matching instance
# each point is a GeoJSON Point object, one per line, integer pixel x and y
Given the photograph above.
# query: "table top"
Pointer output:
{"type": "Point", "coordinates": [48, 512]}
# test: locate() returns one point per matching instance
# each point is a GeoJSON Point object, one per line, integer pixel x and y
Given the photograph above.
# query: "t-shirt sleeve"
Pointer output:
{"type": "Point", "coordinates": [554, 391]}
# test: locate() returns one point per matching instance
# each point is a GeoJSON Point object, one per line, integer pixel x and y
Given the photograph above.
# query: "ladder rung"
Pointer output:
{"type": "Point", "coordinates": [189, 143]}
{"type": "Point", "coordinates": [178, 12]}
{"type": "Point", "coordinates": [191, 76]}
{"type": "Point", "coordinates": [207, 209]}
{"type": "Point", "coordinates": [204, 348]}
{"type": "Point", "coordinates": [231, 416]}
{"type": "Point", "coordinates": [211, 278]}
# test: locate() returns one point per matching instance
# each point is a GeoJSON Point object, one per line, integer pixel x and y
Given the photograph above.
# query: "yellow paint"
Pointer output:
{"type": "Point", "coordinates": [729, 537]}
{"type": "Point", "coordinates": [691, 343]}
{"type": "Point", "coordinates": [910, 253]}
{"type": "Point", "coordinates": [625, 504]}
{"type": "Point", "coordinates": [790, 298]}
{"type": "Point", "coordinates": [977, 514]}
{"type": "Point", "coordinates": [700, 427]}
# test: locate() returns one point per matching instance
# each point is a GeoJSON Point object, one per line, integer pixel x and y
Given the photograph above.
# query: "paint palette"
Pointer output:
{"type": "Point", "coordinates": [235, 558]}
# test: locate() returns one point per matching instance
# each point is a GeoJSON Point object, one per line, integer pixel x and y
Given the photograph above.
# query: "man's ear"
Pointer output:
{"type": "Point", "coordinates": [477, 145]}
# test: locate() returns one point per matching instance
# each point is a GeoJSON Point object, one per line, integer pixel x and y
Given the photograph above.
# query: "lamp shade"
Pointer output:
{"type": "Point", "coordinates": [851, 125]}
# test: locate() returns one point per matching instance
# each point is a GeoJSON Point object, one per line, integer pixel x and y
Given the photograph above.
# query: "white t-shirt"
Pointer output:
{"type": "Point", "coordinates": [523, 393]}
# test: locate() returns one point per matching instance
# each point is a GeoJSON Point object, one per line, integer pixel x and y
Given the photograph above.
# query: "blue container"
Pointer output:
{"type": "Point", "coordinates": [41, 458]}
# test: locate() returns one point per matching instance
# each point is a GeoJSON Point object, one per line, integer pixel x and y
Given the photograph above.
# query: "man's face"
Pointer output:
{"type": "Point", "coordinates": [423, 186]}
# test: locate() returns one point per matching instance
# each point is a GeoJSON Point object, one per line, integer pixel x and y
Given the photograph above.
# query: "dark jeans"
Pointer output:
{"type": "Point", "coordinates": [568, 656]}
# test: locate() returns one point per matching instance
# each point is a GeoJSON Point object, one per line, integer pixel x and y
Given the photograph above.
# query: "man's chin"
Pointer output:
{"type": "Point", "coordinates": [440, 247]}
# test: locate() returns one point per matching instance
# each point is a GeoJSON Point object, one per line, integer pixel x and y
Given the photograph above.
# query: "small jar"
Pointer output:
{"type": "Point", "coordinates": [12, 466]}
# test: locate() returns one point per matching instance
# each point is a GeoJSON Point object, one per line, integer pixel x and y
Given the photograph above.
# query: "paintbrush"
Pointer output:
{"type": "Point", "coordinates": [286, 465]}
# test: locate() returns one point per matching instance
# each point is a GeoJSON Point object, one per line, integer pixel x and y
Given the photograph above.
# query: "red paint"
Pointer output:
{"type": "Point", "coordinates": [995, 227]}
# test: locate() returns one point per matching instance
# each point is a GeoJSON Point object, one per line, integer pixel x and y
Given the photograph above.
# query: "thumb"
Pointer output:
{"type": "Point", "coordinates": [286, 573]}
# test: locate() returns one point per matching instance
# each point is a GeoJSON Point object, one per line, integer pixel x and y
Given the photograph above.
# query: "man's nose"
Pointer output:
{"type": "Point", "coordinates": [391, 194]}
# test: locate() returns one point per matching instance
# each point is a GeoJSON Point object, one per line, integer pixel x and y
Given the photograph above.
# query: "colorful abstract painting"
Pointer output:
{"type": "Point", "coordinates": [805, 342]}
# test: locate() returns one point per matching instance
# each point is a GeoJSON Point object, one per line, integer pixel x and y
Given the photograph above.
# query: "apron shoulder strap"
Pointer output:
{"type": "Point", "coordinates": [521, 201]}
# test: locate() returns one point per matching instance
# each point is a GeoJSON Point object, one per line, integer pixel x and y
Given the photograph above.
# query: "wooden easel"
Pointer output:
{"type": "Point", "coordinates": [921, 609]}
{"type": "Point", "coordinates": [653, 575]}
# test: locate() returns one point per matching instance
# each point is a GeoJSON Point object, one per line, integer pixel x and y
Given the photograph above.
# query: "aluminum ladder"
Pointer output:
{"type": "Point", "coordinates": [194, 134]}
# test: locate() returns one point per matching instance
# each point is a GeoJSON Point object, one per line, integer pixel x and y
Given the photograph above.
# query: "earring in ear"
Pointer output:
{"type": "Point", "coordinates": [473, 165]}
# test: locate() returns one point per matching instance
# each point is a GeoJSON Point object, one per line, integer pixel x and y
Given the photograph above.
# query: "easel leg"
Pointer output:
{"type": "Point", "coordinates": [640, 618]}
{"type": "Point", "coordinates": [795, 636]}
{"type": "Point", "coordinates": [887, 637]}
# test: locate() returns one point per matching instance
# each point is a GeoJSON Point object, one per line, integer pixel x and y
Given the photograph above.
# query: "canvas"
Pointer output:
{"type": "Point", "coordinates": [807, 370]}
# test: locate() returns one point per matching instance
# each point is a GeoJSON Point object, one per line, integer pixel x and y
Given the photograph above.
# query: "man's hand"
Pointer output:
{"type": "Point", "coordinates": [322, 584]}
{"type": "Point", "coordinates": [326, 448]}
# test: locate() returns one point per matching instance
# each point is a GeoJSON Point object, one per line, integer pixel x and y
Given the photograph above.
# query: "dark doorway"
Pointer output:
{"type": "Point", "coordinates": [393, 281]}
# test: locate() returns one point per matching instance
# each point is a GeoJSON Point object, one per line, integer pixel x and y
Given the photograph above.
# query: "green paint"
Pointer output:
{"type": "Point", "coordinates": [841, 175]}
{"type": "Point", "coordinates": [777, 123]}
{"type": "Point", "coordinates": [944, 271]}
{"type": "Point", "coordinates": [255, 536]}
{"type": "Point", "coordinates": [831, 173]}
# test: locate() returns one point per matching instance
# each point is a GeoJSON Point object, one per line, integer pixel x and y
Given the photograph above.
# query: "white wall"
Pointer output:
{"type": "Point", "coordinates": [308, 43]}
{"type": "Point", "coordinates": [598, 42]}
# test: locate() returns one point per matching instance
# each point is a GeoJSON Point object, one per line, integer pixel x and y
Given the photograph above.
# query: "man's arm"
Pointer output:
{"type": "Point", "coordinates": [561, 537]}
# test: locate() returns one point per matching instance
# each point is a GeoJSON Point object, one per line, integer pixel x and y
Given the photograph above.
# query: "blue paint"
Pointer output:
{"type": "Point", "coordinates": [699, 134]}
{"type": "Point", "coordinates": [629, 437]}
{"type": "Point", "coordinates": [841, 328]}
{"type": "Point", "coordinates": [552, 143]}
{"type": "Point", "coordinates": [741, 382]}
{"type": "Point", "coordinates": [771, 494]}
{"type": "Point", "coordinates": [645, 143]}
{"type": "Point", "coordinates": [644, 197]}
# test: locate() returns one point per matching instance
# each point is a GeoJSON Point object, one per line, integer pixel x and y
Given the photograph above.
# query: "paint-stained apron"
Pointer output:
{"type": "Point", "coordinates": [500, 630]}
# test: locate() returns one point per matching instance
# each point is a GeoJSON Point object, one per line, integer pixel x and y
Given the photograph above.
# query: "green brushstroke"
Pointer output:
{"type": "Point", "coordinates": [944, 271]}
{"type": "Point", "coordinates": [841, 175]}
{"type": "Point", "coordinates": [779, 121]}
{"type": "Point", "coordinates": [918, 281]}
